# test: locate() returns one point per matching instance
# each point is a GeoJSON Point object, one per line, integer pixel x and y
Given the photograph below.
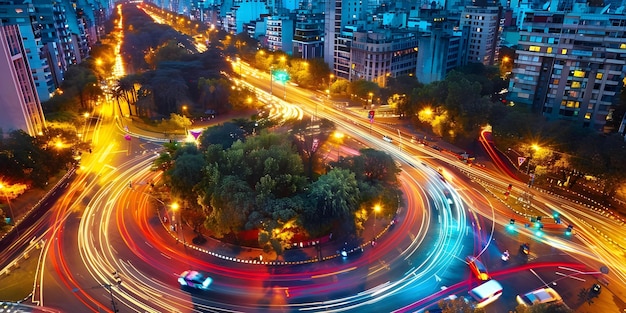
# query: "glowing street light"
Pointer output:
{"type": "Point", "coordinates": [534, 148]}
{"type": "Point", "coordinates": [339, 136]}
{"type": "Point", "coordinates": [376, 210]}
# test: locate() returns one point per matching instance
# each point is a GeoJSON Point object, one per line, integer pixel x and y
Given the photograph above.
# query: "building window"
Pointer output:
{"type": "Point", "coordinates": [598, 75]}
{"type": "Point", "coordinates": [588, 116]}
{"type": "Point", "coordinates": [579, 73]}
{"type": "Point", "coordinates": [563, 51]}
{"type": "Point", "coordinates": [549, 50]}
{"type": "Point", "coordinates": [534, 48]}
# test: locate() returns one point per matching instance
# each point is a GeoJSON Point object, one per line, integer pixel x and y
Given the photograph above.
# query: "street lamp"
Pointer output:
{"type": "Point", "coordinates": [330, 82]}
{"type": "Point", "coordinates": [339, 136]}
{"type": "Point", "coordinates": [376, 210]}
{"type": "Point", "coordinates": [371, 100]}
{"type": "Point", "coordinates": [534, 148]}
{"type": "Point", "coordinates": [174, 207]}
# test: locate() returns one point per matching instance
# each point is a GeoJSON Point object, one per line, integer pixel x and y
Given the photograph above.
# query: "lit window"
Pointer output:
{"type": "Point", "coordinates": [587, 115]}
{"type": "Point", "coordinates": [478, 30]}
{"type": "Point", "coordinates": [575, 84]}
{"type": "Point", "coordinates": [579, 73]}
{"type": "Point", "coordinates": [563, 51]}
{"type": "Point", "coordinates": [622, 46]}
{"type": "Point", "coordinates": [599, 76]}
{"type": "Point", "coordinates": [549, 50]}
{"type": "Point", "coordinates": [534, 48]}
{"type": "Point", "coordinates": [570, 104]}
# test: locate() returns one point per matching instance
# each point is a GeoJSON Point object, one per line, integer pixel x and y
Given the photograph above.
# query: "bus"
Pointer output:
{"type": "Point", "coordinates": [486, 293]}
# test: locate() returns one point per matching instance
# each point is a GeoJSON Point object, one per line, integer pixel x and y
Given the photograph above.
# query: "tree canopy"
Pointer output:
{"type": "Point", "coordinates": [239, 181]}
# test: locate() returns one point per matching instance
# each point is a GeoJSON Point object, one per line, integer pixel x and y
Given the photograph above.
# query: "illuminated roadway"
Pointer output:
{"type": "Point", "coordinates": [107, 222]}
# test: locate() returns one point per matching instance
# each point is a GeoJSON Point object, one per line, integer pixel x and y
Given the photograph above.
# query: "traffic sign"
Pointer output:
{"type": "Point", "coordinates": [520, 161]}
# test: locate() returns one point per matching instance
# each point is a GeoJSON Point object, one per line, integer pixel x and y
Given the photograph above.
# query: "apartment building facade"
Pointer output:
{"type": "Point", "coordinates": [483, 26]}
{"type": "Point", "coordinates": [19, 101]}
{"type": "Point", "coordinates": [379, 54]}
{"type": "Point", "coordinates": [571, 66]}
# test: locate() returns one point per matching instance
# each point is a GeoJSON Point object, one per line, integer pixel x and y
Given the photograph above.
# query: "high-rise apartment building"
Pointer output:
{"type": "Point", "coordinates": [379, 54]}
{"type": "Point", "coordinates": [571, 65]}
{"type": "Point", "coordinates": [19, 102]}
{"type": "Point", "coordinates": [22, 15]}
{"type": "Point", "coordinates": [483, 26]}
{"type": "Point", "coordinates": [440, 50]}
{"type": "Point", "coordinates": [342, 19]}
{"type": "Point", "coordinates": [308, 36]}
{"type": "Point", "coordinates": [279, 33]}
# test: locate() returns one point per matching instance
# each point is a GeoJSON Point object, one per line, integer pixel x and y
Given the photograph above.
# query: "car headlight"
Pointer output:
{"type": "Point", "coordinates": [182, 281]}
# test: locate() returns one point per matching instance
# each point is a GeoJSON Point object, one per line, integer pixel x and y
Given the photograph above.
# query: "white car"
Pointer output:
{"type": "Point", "coordinates": [541, 295]}
{"type": "Point", "coordinates": [194, 279]}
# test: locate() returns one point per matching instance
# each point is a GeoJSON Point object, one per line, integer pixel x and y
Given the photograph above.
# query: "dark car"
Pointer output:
{"type": "Point", "coordinates": [596, 288]}
{"type": "Point", "coordinates": [524, 249]}
{"type": "Point", "coordinates": [477, 267]}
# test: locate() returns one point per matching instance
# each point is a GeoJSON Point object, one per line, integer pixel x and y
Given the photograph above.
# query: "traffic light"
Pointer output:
{"type": "Point", "coordinates": [370, 115]}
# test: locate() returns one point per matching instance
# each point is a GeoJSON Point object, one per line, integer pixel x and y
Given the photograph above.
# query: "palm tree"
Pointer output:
{"type": "Point", "coordinates": [126, 87]}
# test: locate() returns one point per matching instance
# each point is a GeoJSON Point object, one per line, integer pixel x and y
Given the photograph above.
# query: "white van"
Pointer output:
{"type": "Point", "coordinates": [486, 293]}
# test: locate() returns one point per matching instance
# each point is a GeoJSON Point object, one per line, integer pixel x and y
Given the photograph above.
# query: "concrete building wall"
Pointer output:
{"type": "Point", "coordinates": [19, 102]}
{"type": "Point", "coordinates": [571, 66]}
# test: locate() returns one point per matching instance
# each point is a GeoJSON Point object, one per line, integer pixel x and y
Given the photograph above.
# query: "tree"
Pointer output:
{"type": "Point", "coordinates": [555, 307]}
{"type": "Point", "coordinates": [458, 305]}
{"type": "Point", "coordinates": [214, 94]}
{"type": "Point", "coordinates": [362, 90]}
{"type": "Point", "coordinates": [231, 203]}
{"type": "Point", "coordinates": [603, 156]}
{"type": "Point", "coordinates": [186, 173]}
{"type": "Point", "coordinates": [125, 89]}
{"type": "Point", "coordinates": [168, 88]}
{"type": "Point", "coordinates": [334, 196]}
{"type": "Point", "coordinates": [169, 51]}
{"type": "Point", "coordinates": [465, 106]}
{"type": "Point", "coordinates": [308, 138]}
{"type": "Point", "coordinates": [224, 135]}
{"type": "Point", "coordinates": [77, 81]}
{"type": "Point", "coordinates": [372, 166]}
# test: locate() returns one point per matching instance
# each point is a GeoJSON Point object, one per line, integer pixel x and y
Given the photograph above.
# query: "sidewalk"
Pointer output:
{"type": "Point", "coordinates": [310, 252]}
